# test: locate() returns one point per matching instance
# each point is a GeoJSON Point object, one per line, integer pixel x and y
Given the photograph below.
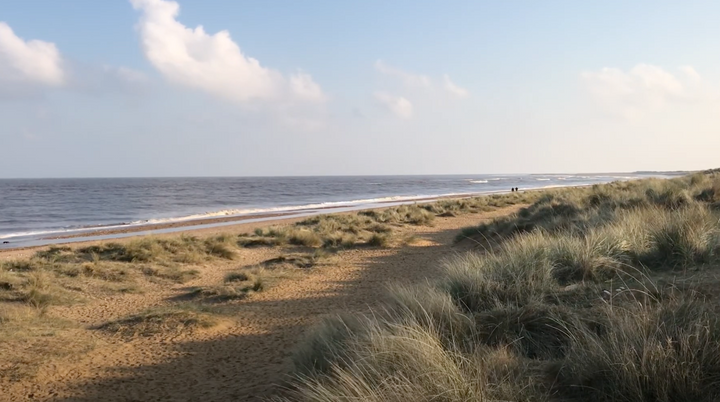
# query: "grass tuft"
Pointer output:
{"type": "Point", "coordinates": [606, 293]}
{"type": "Point", "coordinates": [173, 320]}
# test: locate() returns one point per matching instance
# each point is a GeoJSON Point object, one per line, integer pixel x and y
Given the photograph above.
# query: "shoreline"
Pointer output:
{"type": "Point", "coordinates": [268, 217]}
{"type": "Point", "coordinates": [215, 224]}
{"type": "Point", "coordinates": [70, 231]}
{"type": "Point", "coordinates": [113, 303]}
{"type": "Point", "coordinates": [259, 331]}
{"type": "Point", "coordinates": [208, 225]}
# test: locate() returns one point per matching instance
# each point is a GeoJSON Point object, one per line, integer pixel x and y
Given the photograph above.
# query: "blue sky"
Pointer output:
{"type": "Point", "coordinates": [130, 88]}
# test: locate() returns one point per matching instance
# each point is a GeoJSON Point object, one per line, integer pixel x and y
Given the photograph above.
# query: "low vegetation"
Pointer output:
{"type": "Point", "coordinates": [28, 340]}
{"type": "Point", "coordinates": [33, 290]}
{"type": "Point", "coordinates": [605, 293]}
{"type": "Point", "coordinates": [374, 228]}
{"type": "Point", "coordinates": [42, 280]}
{"type": "Point", "coordinates": [237, 285]}
{"type": "Point", "coordinates": [341, 230]}
{"type": "Point", "coordinates": [166, 320]}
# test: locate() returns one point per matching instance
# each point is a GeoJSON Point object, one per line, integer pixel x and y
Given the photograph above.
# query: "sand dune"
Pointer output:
{"type": "Point", "coordinates": [246, 355]}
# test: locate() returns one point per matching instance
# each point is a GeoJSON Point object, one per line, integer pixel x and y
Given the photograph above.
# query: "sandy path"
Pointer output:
{"type": "Point", "coordinates": [246, 357]}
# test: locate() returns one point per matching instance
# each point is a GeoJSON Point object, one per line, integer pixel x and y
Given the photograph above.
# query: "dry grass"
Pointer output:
{"type": "Point", "coordinates": [579, 283]}
{"type": "Point", "coordinates": [31, 288]}
{"type": "Point", "coordinates": [174, 273]}
{"type": "Point", "coordinates": [167, 320]}
{"type": "Point", "coordinates": [28, 339]}
{"type": "Point", "coordinates": [379, 240]}
{"type": "Point", "coordinates": [600, 294]}
{"type": "Point", "coordinates": [376, 228]}
{"type": "Point", "coordinates": [237, 285]}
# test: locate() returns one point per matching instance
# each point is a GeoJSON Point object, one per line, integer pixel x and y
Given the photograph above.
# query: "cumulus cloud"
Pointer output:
{"type": "Point", "coordinates": [644, 88]}
{"type": "Point", "coordinates": [32, 62]}
{"type": "Point", "coordinates": [409, 79]}
{"type": "Point", "coordinates": [212, 63]}
{"type": "Point", "coordinates": [398, 105]}
{"type": "Point", "coordinates": [454, 89]}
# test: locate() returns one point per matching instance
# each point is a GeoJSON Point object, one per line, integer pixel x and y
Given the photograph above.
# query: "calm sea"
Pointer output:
{"type": "Point", "coordinates": [37, 208]}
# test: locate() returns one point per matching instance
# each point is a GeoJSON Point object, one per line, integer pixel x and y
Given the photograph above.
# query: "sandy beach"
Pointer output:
{"type": "Point", "coordinates": [243, 357]}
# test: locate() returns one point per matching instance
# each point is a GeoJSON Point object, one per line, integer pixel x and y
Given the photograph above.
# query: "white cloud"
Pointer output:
{"type": "Point", "coordinates": [454, 89]}
{"type": "Point", "coordinates": [409, 79]}
{"type": "Point", "coordinates": [418, 87]}
{"type": "Point", "coordinates": [212, 63]}
{"type": "Point", "coordinates": [28, 62]}
{"type": "Point", "coordinates": [303, 86]}
{"type": "Point", "coordinates": [644, 88]}
{"type": "Point", "coordinates": [398, 105]}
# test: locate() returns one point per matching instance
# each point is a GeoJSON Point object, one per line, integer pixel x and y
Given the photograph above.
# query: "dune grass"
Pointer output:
{"type": "Point", "coordinates": [123, 265]}
{"type": "Point", "coordinates": [607, 293]}
{"type": "Point", "coordinates": [44, 279]}
{"type": "Point", "coordinates": [236, 285]}
{"type": "Point", "coordinates": [343, 230]}
{"type": "Point", "coordinates": [183, 318]}
{"type": "Point", "coordinates": [374, 228]}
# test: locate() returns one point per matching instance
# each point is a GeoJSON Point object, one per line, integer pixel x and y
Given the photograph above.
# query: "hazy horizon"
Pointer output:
{"type": "Point", "coordinates": [215, 88]}
{"type": "Point", "coordinates": [358, 175]}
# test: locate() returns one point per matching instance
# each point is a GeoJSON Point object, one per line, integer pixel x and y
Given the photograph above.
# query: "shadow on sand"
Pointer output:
{"type": "Point", "coordinates": [253, 367]}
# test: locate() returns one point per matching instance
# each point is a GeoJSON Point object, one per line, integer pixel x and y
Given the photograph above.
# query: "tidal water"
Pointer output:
{"type": "Point", "coordinates": [37, 208]}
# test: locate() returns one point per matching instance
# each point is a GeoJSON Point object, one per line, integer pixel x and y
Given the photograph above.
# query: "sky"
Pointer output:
{"type": "Point", "coordinates": [150, 88]}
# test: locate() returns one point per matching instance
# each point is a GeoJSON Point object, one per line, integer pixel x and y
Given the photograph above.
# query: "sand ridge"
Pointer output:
{"type": "Point", "coordinates": [247, 356]}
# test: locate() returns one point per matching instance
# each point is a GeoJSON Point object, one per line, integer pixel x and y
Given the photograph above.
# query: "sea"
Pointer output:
{"type": "Point", "coordinates": [36, 211]}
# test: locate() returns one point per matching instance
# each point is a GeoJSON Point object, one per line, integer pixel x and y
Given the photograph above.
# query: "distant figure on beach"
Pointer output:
{"type": "Point", "coordinates": [512, 189]}
{"type": "Point", "coordinates": [6, 242]}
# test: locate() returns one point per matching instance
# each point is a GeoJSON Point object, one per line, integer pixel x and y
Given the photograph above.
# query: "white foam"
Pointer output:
{"type": "Point", "coordinates": [60, 231]}
{"type": "Point", "coordinates": [288, 209]}
{"type": "Point", "coordinates": [233, 213]}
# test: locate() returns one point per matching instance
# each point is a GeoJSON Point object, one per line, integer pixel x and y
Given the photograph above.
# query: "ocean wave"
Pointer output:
{"type": "Point", "coordinates": [234, 213]}
{"type": "Point", "coordinates": [36, 233]}
{"type": "Point", "coordinates": [282, 210]}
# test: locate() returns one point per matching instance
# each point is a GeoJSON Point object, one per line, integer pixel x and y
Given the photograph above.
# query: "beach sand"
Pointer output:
{"type": "Point", "coordinates": [246, 356]}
